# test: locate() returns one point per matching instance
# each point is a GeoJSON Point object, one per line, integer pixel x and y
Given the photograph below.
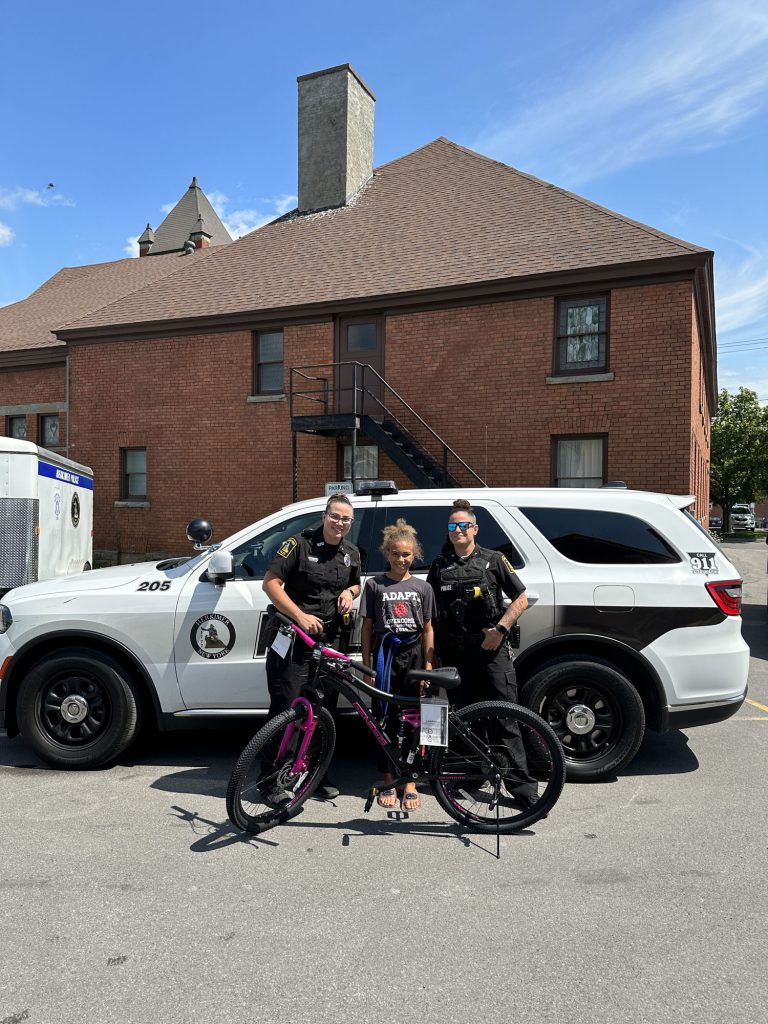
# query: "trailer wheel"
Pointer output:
{"type": "Point", "coordinates": [87, 567]}
{"type": "Point", "coordinates": [78, 708]}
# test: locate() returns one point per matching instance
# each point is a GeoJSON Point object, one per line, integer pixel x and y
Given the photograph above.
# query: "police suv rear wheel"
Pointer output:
{"type": "Point", "coordinates": [595, 710]}
{"type": "Point", "coordinates": [78, 709]}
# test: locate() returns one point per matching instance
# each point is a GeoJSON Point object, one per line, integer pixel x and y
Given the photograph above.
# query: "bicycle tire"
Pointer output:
{"type": "Point", "coordinates": [526, 791]}
{"type": "Point", "coordinates": [250, 779]}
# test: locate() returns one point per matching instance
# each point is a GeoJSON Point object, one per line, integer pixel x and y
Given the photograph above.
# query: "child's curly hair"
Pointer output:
{"type": "Point", "coordinates": [401, 533]}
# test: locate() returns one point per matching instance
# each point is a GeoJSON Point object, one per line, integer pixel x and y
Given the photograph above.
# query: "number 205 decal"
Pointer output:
{"type": "Point", "coordinates": [154, 585]}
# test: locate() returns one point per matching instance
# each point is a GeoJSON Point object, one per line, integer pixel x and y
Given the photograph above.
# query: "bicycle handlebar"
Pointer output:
{"type": "Point", "coordinates": [326, 652]}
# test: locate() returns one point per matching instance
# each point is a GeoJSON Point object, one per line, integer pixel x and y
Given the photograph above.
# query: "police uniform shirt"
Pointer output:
{"type": "Point", "coordinates": [493, 566]}
{"type": "Point", "coordinates": [314, 572]}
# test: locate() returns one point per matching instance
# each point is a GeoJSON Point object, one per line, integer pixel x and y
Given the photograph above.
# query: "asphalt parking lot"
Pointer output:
{"type": "Point", "coordinates": [127, 896]}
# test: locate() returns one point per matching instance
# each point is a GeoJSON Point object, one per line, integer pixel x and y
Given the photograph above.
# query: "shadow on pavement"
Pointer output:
{"type": "Point", "coordinates": [662, 754]}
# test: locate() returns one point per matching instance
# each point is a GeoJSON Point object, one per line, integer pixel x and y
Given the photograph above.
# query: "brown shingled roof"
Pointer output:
{"type": "Point", "coordinates": [440, 217]}
{"type": "Point", "coordinates": [75, 291]}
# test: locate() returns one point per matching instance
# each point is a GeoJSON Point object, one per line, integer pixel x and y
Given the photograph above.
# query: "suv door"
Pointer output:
{"type": "Point", "coordinates": [226, 668]}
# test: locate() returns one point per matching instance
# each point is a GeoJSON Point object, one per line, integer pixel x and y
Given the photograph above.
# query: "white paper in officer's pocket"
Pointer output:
{"type": "Point", "coordinates": [434, 722]}
{"type": "Point", "coordinates": [281, 645]}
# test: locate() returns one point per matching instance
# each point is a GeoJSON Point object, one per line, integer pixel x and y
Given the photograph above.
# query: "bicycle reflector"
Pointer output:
{"type": "Point", "coordinates": [726, 595]}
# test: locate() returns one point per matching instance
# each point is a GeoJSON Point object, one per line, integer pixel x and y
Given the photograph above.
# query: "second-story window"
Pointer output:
{"type": "Point", "coordinates": [268, 363]}
{"type": "Point", "coordinates": [581, 343]}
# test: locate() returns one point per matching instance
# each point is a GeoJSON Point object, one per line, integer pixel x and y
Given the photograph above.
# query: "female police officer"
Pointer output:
{"type": "Point", "coordinates": [313, 579]}
{"type": "Point", "coordinates": [472, 625]}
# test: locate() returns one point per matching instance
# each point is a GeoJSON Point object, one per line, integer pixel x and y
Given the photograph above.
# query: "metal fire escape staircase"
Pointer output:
{"type": "Point", "coordinates": [352, 402]}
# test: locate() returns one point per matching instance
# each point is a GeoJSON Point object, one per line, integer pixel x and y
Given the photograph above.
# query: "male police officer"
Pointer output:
{"type": "Point", "coordinates": [472, 626]}
{"type": "Point", "coordinates": [314, 580]}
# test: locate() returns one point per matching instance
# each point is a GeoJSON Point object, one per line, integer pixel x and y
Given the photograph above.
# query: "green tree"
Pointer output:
{"type": "Point", "coordinates": [739, 458]}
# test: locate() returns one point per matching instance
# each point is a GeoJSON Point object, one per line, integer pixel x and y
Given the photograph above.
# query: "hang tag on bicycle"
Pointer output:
{"type": "Point", "coordinates": [434, 722]}
{"type": "Point", "coordinates": [281, 644]}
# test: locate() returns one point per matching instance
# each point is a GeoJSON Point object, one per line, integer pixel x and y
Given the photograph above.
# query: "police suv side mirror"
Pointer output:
{"type": "Point", "coordinates": [220, 568]}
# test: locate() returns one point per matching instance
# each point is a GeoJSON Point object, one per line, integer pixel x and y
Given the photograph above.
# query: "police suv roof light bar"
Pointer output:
{"type": "Point", "coordinates": [377, 488]}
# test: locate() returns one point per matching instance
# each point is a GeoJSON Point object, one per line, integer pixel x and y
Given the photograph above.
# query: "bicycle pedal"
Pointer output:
{"type": "Point", "coordinates": [370, 799]}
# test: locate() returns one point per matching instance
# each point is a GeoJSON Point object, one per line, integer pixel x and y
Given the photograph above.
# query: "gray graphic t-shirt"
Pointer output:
{"type": "Point", "coordinates": [397, 606]}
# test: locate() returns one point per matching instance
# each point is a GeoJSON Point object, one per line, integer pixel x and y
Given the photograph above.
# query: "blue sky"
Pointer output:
{"type": "Point", "coordinates": [658, 110]}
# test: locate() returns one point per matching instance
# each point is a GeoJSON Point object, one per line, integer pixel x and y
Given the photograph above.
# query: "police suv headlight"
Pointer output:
{"type": "Point", "coordinates": [6, 619]}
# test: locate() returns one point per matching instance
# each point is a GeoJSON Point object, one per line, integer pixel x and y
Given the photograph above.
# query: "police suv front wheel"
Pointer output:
{"type": "Point", "coordinates": [595, 711]}
{"type": "Point", "coordinates": [77, 709]}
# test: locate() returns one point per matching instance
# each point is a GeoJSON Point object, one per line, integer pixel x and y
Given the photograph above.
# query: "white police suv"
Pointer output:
{"type": "Point", "coordinates": [633, 621]}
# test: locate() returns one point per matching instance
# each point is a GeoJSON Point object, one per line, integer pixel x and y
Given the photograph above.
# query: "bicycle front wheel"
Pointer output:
{"type": "Point", "coordinates": [264, 792]}
{"type": "Point", "coordinates": [503, 768]}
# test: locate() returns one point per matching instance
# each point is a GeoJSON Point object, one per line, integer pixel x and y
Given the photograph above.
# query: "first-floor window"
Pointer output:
{"type": "Point", "coordinates": [17, 427]}
{"type": "Point", "coordinates": [49, 431]}
{"type": "Point", "coordinates": [366, 462]}
{"type": "Point", "coordinates": [579, 461]}
{"type": "Point", "coordinates": [268, 363]}
{"type": "Point", "coordinates": [133, 473]}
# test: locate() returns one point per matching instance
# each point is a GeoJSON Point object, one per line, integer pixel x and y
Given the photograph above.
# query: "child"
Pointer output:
{"type": "Point", "coordinates": [397, 611]}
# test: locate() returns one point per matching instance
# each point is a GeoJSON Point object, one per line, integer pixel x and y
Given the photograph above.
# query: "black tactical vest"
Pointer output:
{"type": "Point", "coordinates": [468, 597]}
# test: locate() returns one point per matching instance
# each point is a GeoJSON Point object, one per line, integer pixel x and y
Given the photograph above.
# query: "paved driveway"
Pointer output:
{"type": "Point", "coordinates": [127, 897]}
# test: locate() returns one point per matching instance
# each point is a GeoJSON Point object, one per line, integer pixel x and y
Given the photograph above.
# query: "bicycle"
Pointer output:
{"type": "Point", "coordinates": [474, 776]}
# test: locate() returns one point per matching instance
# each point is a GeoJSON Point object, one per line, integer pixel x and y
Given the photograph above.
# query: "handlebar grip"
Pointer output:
{"type": "Point", "coordinates": [360, 667]}
{"type": "Point", "coordinates": [283, 619]}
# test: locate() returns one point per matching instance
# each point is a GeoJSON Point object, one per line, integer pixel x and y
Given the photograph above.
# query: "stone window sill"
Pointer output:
{"type": "Point", "coordinates": [132, 504]}
{"type": "Point", "coordinates": [580, 378]}
{"type": "Point", "coordinates": [255, 399]}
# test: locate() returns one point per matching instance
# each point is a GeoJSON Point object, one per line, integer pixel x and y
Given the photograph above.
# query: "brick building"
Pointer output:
{"type": "Point", "coordinates": [512, 332]}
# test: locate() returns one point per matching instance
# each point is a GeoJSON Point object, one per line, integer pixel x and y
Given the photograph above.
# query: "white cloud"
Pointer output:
{"type": "Point", "coordinates": [742, 293]}
{"type": "Point", "coordinates": [131, 247]}
{"type": "Point", "coordinates": [240, 222]}
{"type": "Point", "coordinates": [6, 234]}
{"type": "Point", "coordinates": [11, 198]}
{"type": "Point", "coordinates": [682, 81]}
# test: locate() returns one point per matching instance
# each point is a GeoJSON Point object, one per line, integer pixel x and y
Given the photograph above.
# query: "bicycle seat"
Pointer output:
{"type": "Point", "coordinates": [448, 678]}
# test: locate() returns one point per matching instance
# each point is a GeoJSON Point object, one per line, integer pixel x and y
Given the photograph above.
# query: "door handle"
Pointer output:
{"type": "Point", "coordinates": [532, 597]}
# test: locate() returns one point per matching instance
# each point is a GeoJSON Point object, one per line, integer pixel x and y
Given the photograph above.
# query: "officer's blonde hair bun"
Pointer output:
{"type": "Point", "coordinates": [401, 533]}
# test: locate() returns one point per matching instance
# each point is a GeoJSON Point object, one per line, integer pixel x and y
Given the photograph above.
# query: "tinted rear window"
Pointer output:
{"type": "Point", "coordinates": [601, 538]}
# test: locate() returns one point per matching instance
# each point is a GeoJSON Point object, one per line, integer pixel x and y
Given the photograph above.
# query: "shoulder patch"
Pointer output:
{"type": "Point", "coordinates": [507, 564]}
{"type": "Point", "coordinates": [286, 547]}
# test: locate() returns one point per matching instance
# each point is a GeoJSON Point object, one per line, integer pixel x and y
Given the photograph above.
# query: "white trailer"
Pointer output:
{"type": "Point", "coordinates": [46, 514]}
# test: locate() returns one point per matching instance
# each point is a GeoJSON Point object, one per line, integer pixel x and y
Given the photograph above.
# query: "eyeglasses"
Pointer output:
{"type": "Point", "coordinates": [452, 527]}
{"type": "Point", "coordinates": [341, 520]}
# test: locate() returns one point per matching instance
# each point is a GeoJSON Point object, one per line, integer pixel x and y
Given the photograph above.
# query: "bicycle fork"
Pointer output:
{"type": "Point", "coordinates": [307, 726]}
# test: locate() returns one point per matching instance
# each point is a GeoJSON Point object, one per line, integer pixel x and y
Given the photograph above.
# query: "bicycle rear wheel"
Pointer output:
{"type": "Point", "coordinates": [516, 784]}
{"type": "Point", "coordinates": [257, 777]}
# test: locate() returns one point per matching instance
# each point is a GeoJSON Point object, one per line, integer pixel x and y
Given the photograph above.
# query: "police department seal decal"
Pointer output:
{"type": "Point", "coordinates": [213, 636]}
{"type": "Point", "coordinates": [75, 509]}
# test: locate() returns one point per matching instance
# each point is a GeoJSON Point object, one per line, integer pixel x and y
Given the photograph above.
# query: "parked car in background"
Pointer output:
{"type": "Point", "coordinates": [742, 518]}
{"type": "Point", "coordinates": [715, 522]}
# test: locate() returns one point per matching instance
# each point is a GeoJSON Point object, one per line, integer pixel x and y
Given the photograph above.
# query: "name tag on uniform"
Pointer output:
{"type": "Point", "coordinates": [281, 645]}
{"type": "Point", "coordinates": [312, 558]}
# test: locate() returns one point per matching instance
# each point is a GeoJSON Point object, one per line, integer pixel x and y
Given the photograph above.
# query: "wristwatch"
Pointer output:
{"type": "Point", "coordinates": [501, 629]}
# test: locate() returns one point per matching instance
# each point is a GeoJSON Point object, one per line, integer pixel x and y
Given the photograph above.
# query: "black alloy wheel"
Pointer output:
{"type": "Point", "coordinates": [595, 711]}
{"type": "Point", "coordinates": [78, 708]}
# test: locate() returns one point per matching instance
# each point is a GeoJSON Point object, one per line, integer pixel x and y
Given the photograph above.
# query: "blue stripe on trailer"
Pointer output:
{"type": "Point", "coordinates": [66, 476]}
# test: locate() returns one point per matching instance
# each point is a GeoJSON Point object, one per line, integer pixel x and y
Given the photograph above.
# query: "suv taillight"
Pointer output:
{"type": "Point", "coordinates": [727, 596]}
